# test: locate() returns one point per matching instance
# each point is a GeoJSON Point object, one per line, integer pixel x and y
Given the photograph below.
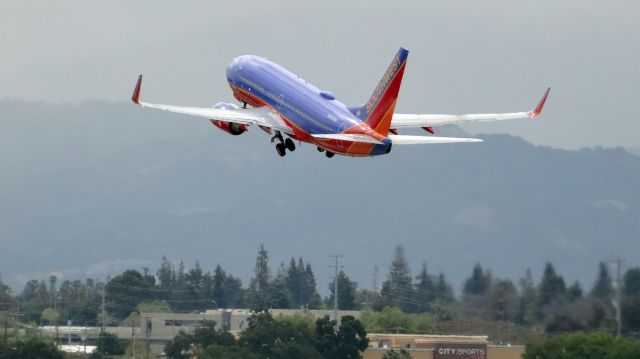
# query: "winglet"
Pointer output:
{"type": "Point", "coordinates": [136, 92]}
{"type": "Point", "coordinates": [538, 108]}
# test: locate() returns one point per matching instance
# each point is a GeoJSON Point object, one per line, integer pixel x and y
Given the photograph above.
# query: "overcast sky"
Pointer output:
{"type": "Point", "coordinates": [466, 56]}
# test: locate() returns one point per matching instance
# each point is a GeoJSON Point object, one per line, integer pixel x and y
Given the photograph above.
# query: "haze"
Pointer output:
{"type": "Point", "coordinates": [465, 56]}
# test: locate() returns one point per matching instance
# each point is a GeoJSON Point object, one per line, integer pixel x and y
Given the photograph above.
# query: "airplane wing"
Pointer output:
{"type": "Point", "coordinates": [260, 116]}
{"type": "Point", "coordinates": [419, 140]}
{"type": "Point", "coordinates": [347, 137]}
{"type": "Point", "coordinates": [401, 120]}
{"type": "Point", "coordinates": [395, 139]}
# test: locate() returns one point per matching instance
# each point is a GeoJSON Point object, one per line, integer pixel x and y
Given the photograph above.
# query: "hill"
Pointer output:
{"type": "Point", "coordinates": [94, 188]}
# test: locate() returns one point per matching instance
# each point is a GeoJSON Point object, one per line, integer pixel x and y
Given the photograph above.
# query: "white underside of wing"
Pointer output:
{"type": "Point", "coordinates": [402, 120]}
{"type": "Point", "coordinates": [347, 137]}
{"type": "Point", "coordinates": [252, 116]}
{"type": "Point", "coordinates": [416, 140]}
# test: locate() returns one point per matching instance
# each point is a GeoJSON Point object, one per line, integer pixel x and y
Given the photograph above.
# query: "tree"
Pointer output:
{"type": "Point", "coordinates": [78, 301]}
{"type": "Point", "coordinates": [503, 299]}
{"type": "Point", "coordinates": [563, 324]}
{"type": "Point", "coordinates": [166, 274]}
{"type": "Point", "coordinates": [351, 338]}
{"type": "Point", "coordinates": [274, 338]}
{"type": "Point", "coordinates": [30, 347]}
{"type": "Point", "coordinates": [526, 306]}
{"type": "Point", "coordinates": [397, 290]}
{"type": "Point", "coordinates": [632, 282]}
{"type": "Point", "coordinates": [425, 291]}
{"type": "Point", "coordinates": [478, 283]}
{"type": "Point", "coordinates": [184, 345]}
{"type": "Point", "coordinates": [52, 290]}
{"type": "Point", "coordinates": [229, 352]}
{"type": "Point", "coordinates": [574, 292]}
{"type": "Point", "coordinates": [392, 354]}
{"type": "Point", "coordinates": [5, 297]}
{"type": "Point", "coordinates": [109, 344]}
{"type": "Point", "coordinates": [137, 350]}
{"type": "Point", "coordinates": [180, 347]}
{"type": "Point", "coordinates": [602, 288]}
{"type": "Point", "coordinates": [583, 346]}
{"type": "Point", "coordinates": [301, 284]}
{"type": "Point", "coordinates": [218, 289]}
{"type": "Point", "coordinates": [346, 292]}
{"type": "Point", "coordinates": [50, 315]}
{"type": "Point", "coordinates": [310, 294]}
{"type": "Point", "coordinates": [551, 292]}
{"type": "Point", "coordinates": [346, 343]}
{"type": "Point", "coordinates": [394, 320]}
{"type": "Point", "coordinates": [125, 291]}
{"type": "Point", "coordinates": [278, 296]}
{"type": "Point", "coordinates": [34, 299]}
{"type": "Point", "coordinates": [259, 285]}
{"type": "Point", "coordinates": [444, 292]}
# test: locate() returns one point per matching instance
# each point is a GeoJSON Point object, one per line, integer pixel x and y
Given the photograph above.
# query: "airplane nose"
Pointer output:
{"type": "Point", "coordinates": [232, 71]}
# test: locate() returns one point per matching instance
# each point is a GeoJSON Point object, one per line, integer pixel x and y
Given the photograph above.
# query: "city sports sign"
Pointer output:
{"type": "Point", "coordinates": [459, 351]}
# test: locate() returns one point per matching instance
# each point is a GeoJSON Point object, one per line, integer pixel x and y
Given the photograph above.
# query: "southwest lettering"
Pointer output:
{"type": "Point", "coordinates": [386, 78]}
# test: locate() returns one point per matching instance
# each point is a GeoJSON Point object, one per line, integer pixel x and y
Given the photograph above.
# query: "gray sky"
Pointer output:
{"type": "Point", "coordinates": [466, 56]}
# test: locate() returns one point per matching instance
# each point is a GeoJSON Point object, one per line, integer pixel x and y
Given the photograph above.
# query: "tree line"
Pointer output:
{"type": "Point", "coordinates": [550, 304]}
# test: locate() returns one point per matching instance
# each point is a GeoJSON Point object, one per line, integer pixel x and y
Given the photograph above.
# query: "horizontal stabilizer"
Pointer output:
{"type": "Point", "coordinates": [347, 137]}
{"type": "Point", "coordinates": [416, 140]}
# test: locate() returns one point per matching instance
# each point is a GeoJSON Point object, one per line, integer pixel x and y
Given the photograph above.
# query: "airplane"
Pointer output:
{"type": "Point", "coordinates": [283, 104]}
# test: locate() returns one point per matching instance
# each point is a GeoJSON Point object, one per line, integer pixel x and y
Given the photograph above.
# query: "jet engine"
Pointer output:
{"type": "Point", "coordinates": [229, 127]}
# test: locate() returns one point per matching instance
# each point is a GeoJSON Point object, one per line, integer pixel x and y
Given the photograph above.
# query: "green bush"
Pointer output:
{"type": "Point", "coordinates": [584, 346]}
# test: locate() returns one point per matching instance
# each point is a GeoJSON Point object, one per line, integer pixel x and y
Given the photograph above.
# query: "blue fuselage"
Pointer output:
{"type": "Point", "coordinates": [304, 107]}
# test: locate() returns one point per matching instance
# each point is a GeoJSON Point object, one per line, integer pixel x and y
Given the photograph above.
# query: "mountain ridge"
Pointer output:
{"type": "Point", "coordinates": [91, 189]}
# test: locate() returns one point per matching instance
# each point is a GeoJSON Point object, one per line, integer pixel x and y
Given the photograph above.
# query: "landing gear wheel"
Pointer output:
{"type": "Point", "coordinates": [320, 149]}
{"type": "Point", "coordinates": [281, 149]}
{"type": "Point", "coordinates": [329, 154]}
{"type": "Point", "coordinates": [290, 145]}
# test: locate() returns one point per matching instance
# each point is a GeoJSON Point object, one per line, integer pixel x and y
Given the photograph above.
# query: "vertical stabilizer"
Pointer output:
{"type": "Point", "coordinates": [378, 110]}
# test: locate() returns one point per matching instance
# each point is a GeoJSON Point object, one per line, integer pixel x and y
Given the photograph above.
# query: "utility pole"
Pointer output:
{"type": "Point", "coordinates": [6, 325]}
{"type": "Point", "coordinates": [616, 283]}
{"type": "Point", "coordinates": [102, 308]}
{"type": "Point", "coordinates": [133, 342]}
{"type": "Point", "coordinates": [335, 286]}
{"type": "Point", "coordinates": [103, 315]}
{"type": "Point", "coordinates": [375, 279]}
{"type": "Point", "coordinates": [146, 331]}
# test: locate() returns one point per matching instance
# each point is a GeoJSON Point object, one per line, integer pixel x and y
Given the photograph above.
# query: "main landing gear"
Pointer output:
{"type": "Point", "coordinates": [328, 154]}
{"type": "Point", "coordinates": [284, 145]}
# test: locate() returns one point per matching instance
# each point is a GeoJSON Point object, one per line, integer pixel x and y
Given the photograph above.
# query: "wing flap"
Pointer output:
{"type": "Point", "coordinates": [416, 140]}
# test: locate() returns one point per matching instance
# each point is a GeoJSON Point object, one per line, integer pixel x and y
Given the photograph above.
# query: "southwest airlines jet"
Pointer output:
{"type": "Point", "coordinates": [283, 104]}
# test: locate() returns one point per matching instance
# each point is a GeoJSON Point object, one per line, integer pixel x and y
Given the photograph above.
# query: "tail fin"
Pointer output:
{"type": "Point", "coordinates": [378, 111]}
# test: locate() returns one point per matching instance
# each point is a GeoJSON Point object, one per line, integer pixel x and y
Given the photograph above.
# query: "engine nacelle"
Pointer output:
{"type": "Point", "coordinates": [229, 127]}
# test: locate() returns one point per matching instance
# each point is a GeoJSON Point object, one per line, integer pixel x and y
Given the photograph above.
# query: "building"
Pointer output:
{"type": "Point", "coordinates": [440, 347]}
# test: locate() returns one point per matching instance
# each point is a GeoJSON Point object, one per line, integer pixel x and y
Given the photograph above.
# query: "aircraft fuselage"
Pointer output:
{"type": "Point", "coordinates": [305, 108]}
